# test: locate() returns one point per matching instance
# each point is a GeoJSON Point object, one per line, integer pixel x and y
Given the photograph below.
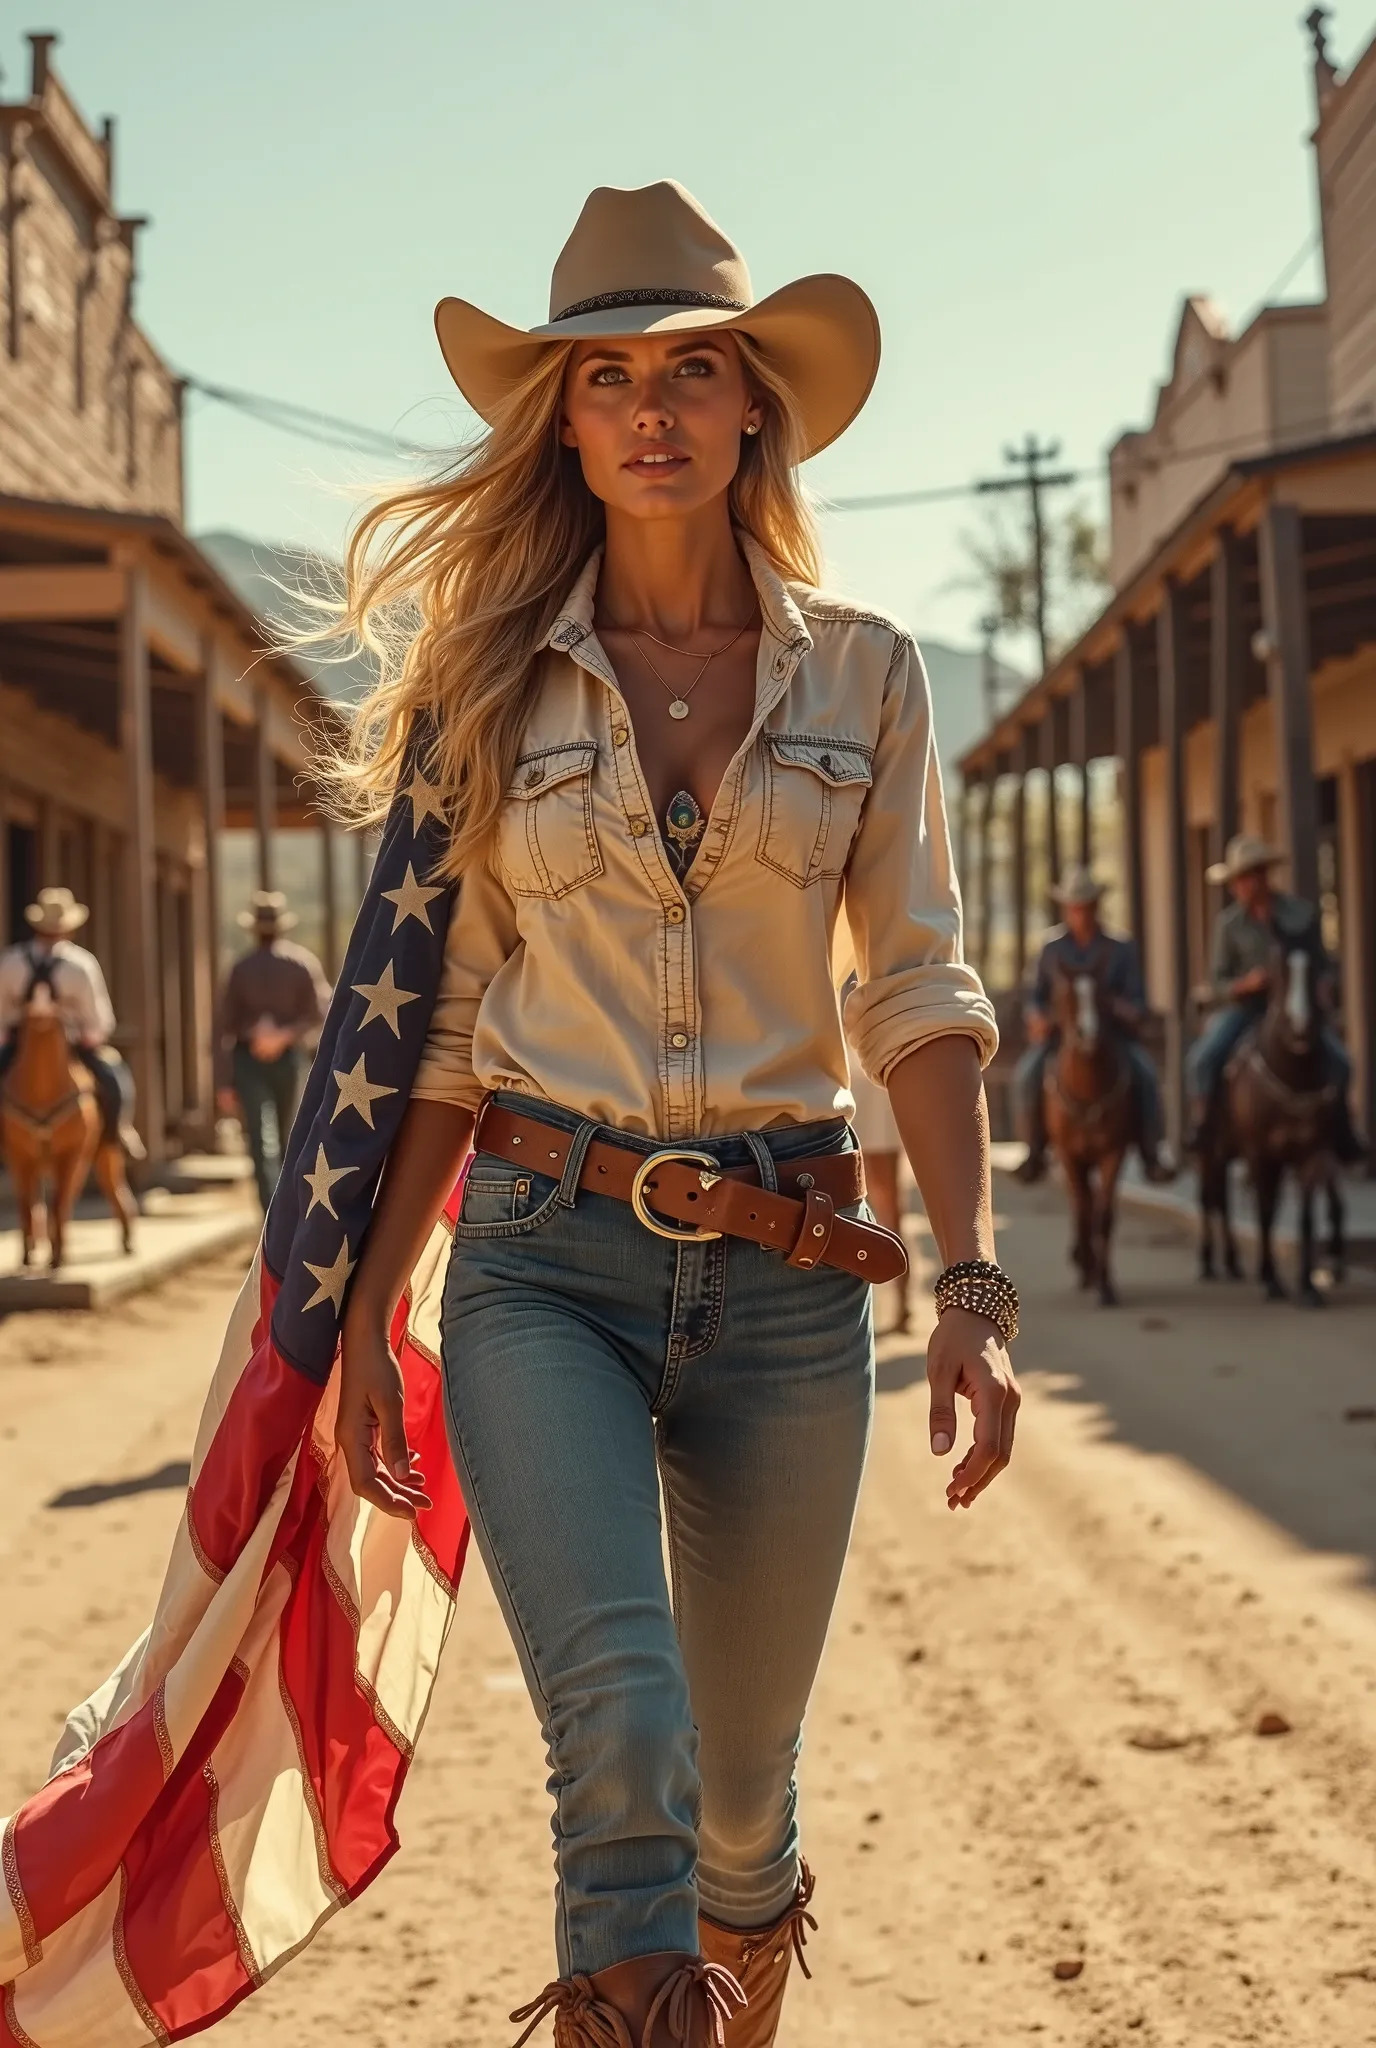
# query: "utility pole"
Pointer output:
{"type": "Point", "coordinates": [989, 675]}
{"type": "Point", "coordinates": [1034, 480]}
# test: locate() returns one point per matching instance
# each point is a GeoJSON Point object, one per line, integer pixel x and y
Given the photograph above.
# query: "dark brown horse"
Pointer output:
{"type": "Point", "coordinates": [1092, 1117]}
{"type": "Point", "coordinates": [1279, 1110]}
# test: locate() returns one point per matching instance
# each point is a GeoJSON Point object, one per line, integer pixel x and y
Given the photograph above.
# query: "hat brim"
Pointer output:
{"type": "Point", "coordinates": [1070, 897]}
{"type": "Point", "coordinates": [1220, 871]}
{"type": "Point", "coordinates": [280, 920]}
{"type": "Point", "coordinates": [69, 921]}
{"type": "Point", "coordinates": [822, 332]}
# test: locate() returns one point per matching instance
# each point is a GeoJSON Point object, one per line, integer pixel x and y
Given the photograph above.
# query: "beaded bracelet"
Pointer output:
{"type": "Point", "coordinates": [984, 1289]}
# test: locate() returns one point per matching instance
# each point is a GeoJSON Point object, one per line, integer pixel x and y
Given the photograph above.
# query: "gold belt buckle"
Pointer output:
{"type": "Point", "coordinates": [709, 1174]}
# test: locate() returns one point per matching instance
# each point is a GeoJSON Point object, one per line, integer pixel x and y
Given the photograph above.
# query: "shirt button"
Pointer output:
{"type": "Point", "coordinates": [680, 1039]}
{"type": "Point", "coordinates": [620, 734]}
{"type": "Point", "coordinates": [675, 914]}
{"type": "Point", "coordinates": [639, 827]}
{"type": "Point", "coordinates": [781, 664]}
{"type": "Point", "coordinates": [534, 778]}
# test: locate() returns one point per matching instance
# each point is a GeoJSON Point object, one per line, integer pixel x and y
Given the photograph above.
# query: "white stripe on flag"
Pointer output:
{"type": "Point", "coordinates": [76, 1998]}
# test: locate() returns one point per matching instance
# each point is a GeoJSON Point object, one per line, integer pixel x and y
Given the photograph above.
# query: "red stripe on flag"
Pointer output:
{"type": "Point", "coordinates": [353, 1766]}
{"type": "Point", "coordinates": [69, 1838]}
{"type": "Point", "coordinates": [264, 1420]}
{"type": "Point", "coordinates": [181, 1947]}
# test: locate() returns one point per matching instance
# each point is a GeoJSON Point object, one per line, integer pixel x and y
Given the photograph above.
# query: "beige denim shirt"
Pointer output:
{"type": "Point", "coordinates": [579, 968]}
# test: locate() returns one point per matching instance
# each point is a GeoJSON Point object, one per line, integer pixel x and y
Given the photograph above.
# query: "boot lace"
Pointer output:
{"type": "Point", "coordinates": [581, 2018]}
{"type": "Point", "coordinates": [676, 2002]}
{"type": "Point", "coordinates": [793, 1927]}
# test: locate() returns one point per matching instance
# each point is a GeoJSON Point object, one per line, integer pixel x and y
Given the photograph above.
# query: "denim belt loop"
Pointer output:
{"type": "Point", "coordinates": [573, 1165]}
{"type": "Point", "coordinates": [764, 1161]}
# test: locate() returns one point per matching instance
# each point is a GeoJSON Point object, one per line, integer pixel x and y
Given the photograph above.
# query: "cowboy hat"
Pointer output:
{"type": "Point", "coordinates": [267, 911]}
{"type": "Point", "coordinates": [652, 261]}
{"type": "Point", "coordinates": [55, 913]}
{"type": "Point", "coordinates": [1244, 855]}
{"type": "Point", "coordinates": [1077, 885]}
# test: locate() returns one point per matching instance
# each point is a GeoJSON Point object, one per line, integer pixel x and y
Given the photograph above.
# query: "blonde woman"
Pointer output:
{"type": "Point", "coordinates": [664, 760]}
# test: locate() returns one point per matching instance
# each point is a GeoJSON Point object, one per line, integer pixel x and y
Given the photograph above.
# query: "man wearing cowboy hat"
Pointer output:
{"type": "Point", "coordinates": [83, 1002]}
{"type": "Point", "coordinates": [274, 1001]}
{"type": "Point", "coordinates": [1082, 946]}
{"type": "Point", "coordinates": [1246, 935]}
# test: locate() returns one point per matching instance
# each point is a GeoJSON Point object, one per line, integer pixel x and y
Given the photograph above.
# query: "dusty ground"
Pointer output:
{"type": "Point", "coordinates": [1034, 1738]}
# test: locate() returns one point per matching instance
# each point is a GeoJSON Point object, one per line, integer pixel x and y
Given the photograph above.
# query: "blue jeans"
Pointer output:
{"type": "Point", "coordinates": [587, 1363]}
{"type": "Point", "coordinates": [1029, 1098]}
{"type": "Point", "coordinates": [258, 1085]}
{"type": "Point", "coordinates": [1216, 1043]}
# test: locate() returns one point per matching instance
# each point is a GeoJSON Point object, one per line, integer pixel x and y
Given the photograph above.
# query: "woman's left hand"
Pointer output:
{"type": "Point", "coordinates": [966, 1355]}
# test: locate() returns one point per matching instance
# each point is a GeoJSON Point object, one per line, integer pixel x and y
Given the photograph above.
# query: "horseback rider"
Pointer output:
{"type": "Point", "coordinates": [1081, 946]}
{"type": "Point", "coordinates": [1246, 934]}
{"type": "Point", "coordinates": [73, 977]}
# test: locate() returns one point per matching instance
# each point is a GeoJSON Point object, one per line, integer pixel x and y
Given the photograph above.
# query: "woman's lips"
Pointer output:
{"type": "Point", "coordinates": [659, 462]}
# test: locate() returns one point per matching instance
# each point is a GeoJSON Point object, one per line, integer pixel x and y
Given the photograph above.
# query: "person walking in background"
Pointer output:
{"type": "Point", "coordinates": [78, 990]}
{"type": "Point", "coordinates": [274, 1002]}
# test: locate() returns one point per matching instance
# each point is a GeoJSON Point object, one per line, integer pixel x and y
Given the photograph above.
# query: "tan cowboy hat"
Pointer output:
{"type": "Point", "coordinates": [651, 261]}
{"type": "Point", "coordinates": [1077, 885]}
{"type": "Point", "coordinates": [55, 913]}
{"type": "Point", "coordinates": [1245, 854]}
{"type": "Point", "coordinates": [267, 909]}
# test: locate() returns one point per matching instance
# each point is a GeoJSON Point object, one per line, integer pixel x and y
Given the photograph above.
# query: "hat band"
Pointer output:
{"type": "Point", "coordinates": [651, 295]}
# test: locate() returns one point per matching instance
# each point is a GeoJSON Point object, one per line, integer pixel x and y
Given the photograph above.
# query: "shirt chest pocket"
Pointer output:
{"type": "Point", "coordinates": [546, 840]}
{"type": "Point", "coordinates": [814, 790]}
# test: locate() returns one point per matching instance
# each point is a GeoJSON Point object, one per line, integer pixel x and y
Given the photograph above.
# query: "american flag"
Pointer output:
{"type": "Point", "coordinates": [235, 1781]}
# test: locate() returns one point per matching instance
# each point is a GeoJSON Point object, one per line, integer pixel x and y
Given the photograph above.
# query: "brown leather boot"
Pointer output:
{"type": "Point", "coordinates": [670, 2000]}
{"type": "Point", "coordinates": [759, 1958]}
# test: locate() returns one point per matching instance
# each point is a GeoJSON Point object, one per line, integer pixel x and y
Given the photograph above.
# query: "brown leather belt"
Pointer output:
{"type": "Point", "coordinates": [676, 1185]}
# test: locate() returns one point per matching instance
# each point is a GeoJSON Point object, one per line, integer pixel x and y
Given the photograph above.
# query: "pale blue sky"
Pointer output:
{"type": "Point", "coordinates": [1025, 190]}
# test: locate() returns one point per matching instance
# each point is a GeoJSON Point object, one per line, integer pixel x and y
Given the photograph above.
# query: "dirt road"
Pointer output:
{"type": "Point", "coordinates": [1034, 1740]}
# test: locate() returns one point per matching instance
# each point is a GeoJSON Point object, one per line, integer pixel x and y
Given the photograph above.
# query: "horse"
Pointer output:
{"type": "Point", "coordinates": [1278, 1110]}
{"type": "Point", "coordinates": [1092, 1119]}
{"type": "Point", "coordinates": [50, 1132]}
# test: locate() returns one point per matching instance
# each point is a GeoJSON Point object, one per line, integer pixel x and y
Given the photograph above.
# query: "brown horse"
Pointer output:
{"type": "Point", "coordinates": [1092, 1118]}
{"type": "Point", "coordinates": [50, 1128]}
{"type": "Point", "coordinates": [1279, 1110]}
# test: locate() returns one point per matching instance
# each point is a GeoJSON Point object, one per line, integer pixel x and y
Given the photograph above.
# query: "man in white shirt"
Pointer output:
{"type": "Point", "coordinates": [83, 1003]}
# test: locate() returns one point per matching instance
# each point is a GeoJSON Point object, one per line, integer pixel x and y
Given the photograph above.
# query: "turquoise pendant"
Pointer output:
{"type": "Point", "coordinates": [684, 825]}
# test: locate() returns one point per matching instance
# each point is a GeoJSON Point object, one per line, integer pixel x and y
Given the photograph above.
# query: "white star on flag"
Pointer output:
{"type": "Point", "coordinates": [330, 1281]}
{"type": "Point", "coordinates": [384, 999]}
{"type": "Point", "coordinates": [425, 801]}
{"type": "Point", "coordinates": [356, 1091]}
{"type": "Point", "coordinates": [322, 1178]}
{"type": "Point", "coordinates": [411, 899]}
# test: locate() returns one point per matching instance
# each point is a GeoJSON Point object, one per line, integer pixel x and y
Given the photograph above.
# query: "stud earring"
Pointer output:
{"type": "Point", "coordinates": [751, 428]}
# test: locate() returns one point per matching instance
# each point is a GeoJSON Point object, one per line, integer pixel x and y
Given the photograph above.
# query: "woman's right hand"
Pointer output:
{"type": "Point", "coordinates": [370, 1428]}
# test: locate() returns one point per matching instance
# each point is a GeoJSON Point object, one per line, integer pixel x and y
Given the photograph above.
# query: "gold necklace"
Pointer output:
{"type": "Point", "coordinates": [678, 699]}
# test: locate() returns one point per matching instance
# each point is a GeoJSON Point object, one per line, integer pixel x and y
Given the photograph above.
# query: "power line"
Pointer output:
{"type": "Point", "coordinates": [1034, 480]}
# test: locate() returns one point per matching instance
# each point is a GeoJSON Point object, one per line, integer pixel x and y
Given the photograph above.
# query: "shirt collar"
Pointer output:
{"type": "Point", "coordinates": [783, 621]}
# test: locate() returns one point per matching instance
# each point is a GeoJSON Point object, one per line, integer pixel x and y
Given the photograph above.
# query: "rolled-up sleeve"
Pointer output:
{"type": "Point", "coordinates": [482, 938]}
{"type": "Point", "coordinates": [902, 898]}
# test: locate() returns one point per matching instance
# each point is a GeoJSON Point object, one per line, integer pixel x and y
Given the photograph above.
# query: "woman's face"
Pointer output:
{"type": "Point", "coordinates": [657, 420]}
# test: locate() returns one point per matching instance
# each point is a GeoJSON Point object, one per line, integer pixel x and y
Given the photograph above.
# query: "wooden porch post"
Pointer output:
{"type": "Point", "coordinates": [1048, 751]}
{"type": "Point", "coordinates": [1226, 656]}
{"type": "Point", "coordinates": [264, 795]}
{"type": "Point", "coordinates": [1284, 613]}
{"type": "Point", "coordinates": [1079, 754]}
{"type": "Point", "coordinates": [329, 898]}
{"type": "Point", "coordinates": [1127, 740]}
{"type": "Point", "coordinates": [1021, 761]}
{"type": "Point", "coordinates": [205, 884]}
{"type": "Point", "coordinates": [1170, 644]}
{"type": "Point", "coordinates": [140, 980]}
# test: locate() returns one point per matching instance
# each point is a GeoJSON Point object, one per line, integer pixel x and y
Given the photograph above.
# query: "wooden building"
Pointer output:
{"type": "Point", "coordinates": [1232, 676]}
{"type": "Point", "coordinates": [141, 713]}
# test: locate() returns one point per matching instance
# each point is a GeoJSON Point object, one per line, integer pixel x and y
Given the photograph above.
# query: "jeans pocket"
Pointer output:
{"type": "Point", "coordinates": [504, 1201]}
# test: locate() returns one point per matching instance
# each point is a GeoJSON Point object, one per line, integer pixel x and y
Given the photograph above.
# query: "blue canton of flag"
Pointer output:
{"type": "Point", "coordinates": [360, 1080]}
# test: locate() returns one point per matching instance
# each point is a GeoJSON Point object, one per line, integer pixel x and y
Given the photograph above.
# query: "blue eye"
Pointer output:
{"type": "Point", "coordinates": [695, 366]}
{"type": "Point", "coordinates": [608, 373]}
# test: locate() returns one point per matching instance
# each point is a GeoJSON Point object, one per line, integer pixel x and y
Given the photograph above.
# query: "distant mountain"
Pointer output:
{"type": "Point", "coordinates": [274, 581]}
{"type": "Point", "coordinates": [267, 576]}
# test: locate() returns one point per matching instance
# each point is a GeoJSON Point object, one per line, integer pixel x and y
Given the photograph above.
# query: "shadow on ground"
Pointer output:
{"type": "Point", "coordinates": [1274, 1402]}
{"type": "Point", "coordinates": [174, 1477]}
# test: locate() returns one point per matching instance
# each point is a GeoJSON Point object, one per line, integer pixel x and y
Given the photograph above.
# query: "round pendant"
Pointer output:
{"type": "Point", "coordinates": [678, 709]}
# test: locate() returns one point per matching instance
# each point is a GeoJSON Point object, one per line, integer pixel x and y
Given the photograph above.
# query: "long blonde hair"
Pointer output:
{"type": "Point", "coordinates": [453, 584]}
